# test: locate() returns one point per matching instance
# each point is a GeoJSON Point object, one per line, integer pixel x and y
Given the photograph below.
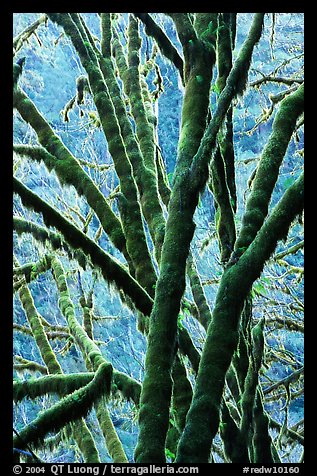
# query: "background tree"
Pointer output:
{"type": "Point", "coordinates": [109, 228]}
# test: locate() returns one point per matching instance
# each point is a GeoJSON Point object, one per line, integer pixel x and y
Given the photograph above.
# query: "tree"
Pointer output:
{"type": "Point", "coordinates": [137, 232]}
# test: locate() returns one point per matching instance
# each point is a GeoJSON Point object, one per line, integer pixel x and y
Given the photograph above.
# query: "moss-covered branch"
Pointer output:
{"type": "Point", "coordinates": [234, 445]}
{"type": "Point", "coordinates": [62, 385]}
{"type": "Point", "coordinates": [235, 85]}
{"type": "Point", "coordinates": [293, 377]}
{"type": "Point", "coordinates": [254, 441]}
{"type": "Point", "coordinates": [225, 226]}
{"type": "Point", "coordinates": [157, 385]}
{"type": "Point", "coordinates": [166, 47]}
{"type": "Point", "coordinates": [82, 433]}
{"type": "Point", "coordinates": [263, 449]}
{"type": "Point", "coordinates": [30, 271]}
{"type": "Point", "coordinates": [69, 409]}
{"type": "Point", "coordinates": [50, 334]}
{"type": "Point", "coordinates": [38, 331]}
{"type": "Point", "coordinates": [52, 384]}
{"type": "Point", "coordinates": [88, 346]}
{"type": "Point", "coordinates": [225, 46]}
{"type": "Point", "coordinates": [67, 168]}
{"type": "Point", "coordinates": [291, 250]}
{"type": "Point", "coordinates": [105, 27]}
{"type": "Point", "coordinates": [188, 38]}
{"type": "Point", "coordinates": [145, 177]}
{"type": "Point", "coordinates": [182, 393]}
{"type": "Point", "coordinates": [113, 443]}
{"type": "Point", "coordinates": [222, 332]}
{"type": "Point", "coordinates": [128, 204]}
{"type": "Point", "coordinates": [204, 313]}
{"type": "Point", "coordinates": [95, 360]}
{"type": "Point", "coordinates": [111, 269]}
{"type": "Point", "coordinates": [27, 33]}
{"type": "Point", "coordinates": [28, 365]}
{"type": "Point", "coordinates": [268, 168]}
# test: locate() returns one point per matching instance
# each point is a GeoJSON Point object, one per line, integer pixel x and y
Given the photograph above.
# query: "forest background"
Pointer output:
{"type": "Point", "coordinates": [71, 321]}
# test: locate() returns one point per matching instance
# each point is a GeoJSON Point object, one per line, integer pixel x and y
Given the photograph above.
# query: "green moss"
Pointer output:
{"type": "Point", "coordinates": [53, 384]}
{"type": "Point", "coordinates": [206, 26]}
{"type": "Point", "coordinates": [113, 443]}
{"type": "Point", "coordinates": [166, 47]}
{"type": "Point", "coordinates": [111, 269]}
{"type": "Point", "coordinates": [156, 391]}
{"type": "Point", "coordinates": [68, 409]}
{"type": "Point", "coordinates": [225, 226]}
{"type": "Point", "coordinates": [34, 320]}
{"type": "Point", "coordinates": [199, 166]}
{"type": "Point", "coordinates": [268, 167]}
{"type": "Point", "coordinates": [262, 447]}
{"type": "Point", "coordinates": [144, 130]}
{"type": "Point", "coordinates": [234, 446]}
{"type": "Point", "coordinates": [144, 170]}
{"type": "Point", "coordinates": [66, 167]}
{"type": "Point", "coordinates": [181, 394]}
{"type": "Point", "coordinates": [131, 216]}
{"type": "Point", "coordinates": [204, 313]}
{"type": "Point", "coordinates": [222, 332]}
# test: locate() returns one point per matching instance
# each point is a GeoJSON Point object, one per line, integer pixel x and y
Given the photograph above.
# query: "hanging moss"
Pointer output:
{"type": "Point", "coordinates": [166, 47]}
{"type": "Point", "coordinates": [30, 271]}
{"type": "Point", "coordinates": [145, 175]}
{"type": "Point", "coordinates": [67, 168]}
{"type": "Point", "coordinates": [50, 239]}
{"type": "Point", "coordinates": [29, 366]}
{"type": "Point", "coordinates": [52, 384]}
{"type": "Point", "coordinates": [84, 440]}
{"type": "Point", "coordinates": [128, 387]}
{"type": "Point", "coordinates": [111, 269]}
{"type": "Point", "coordinates": [68, 409]}
{"type": "Point", "coordinates": [130, 209]}
{"type": "Point", "coordinates": [40, 233]}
